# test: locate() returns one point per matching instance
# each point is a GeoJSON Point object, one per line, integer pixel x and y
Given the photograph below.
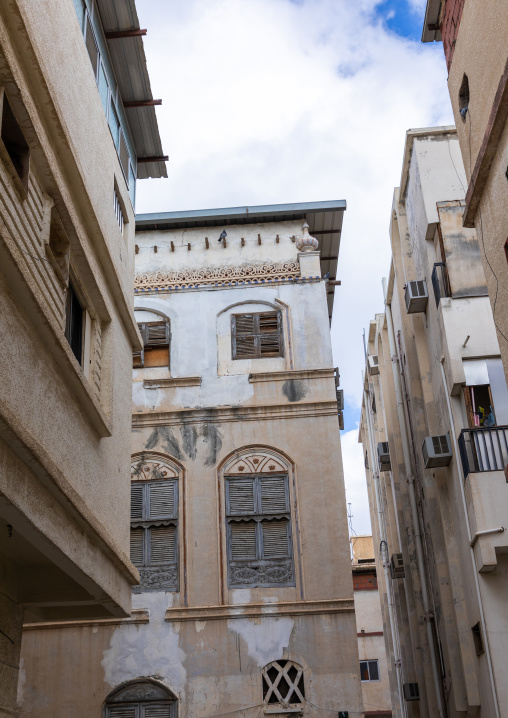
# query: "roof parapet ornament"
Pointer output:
{"type": "Point", "coordinates": [307, 243]}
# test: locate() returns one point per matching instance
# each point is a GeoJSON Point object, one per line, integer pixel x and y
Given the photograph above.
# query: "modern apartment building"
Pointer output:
{"type": "Point", "coordinates": [70, 152]}
{"type": "Point", "coordinates": [434, 429]}
{"type": "Point", "coordinates": [370, 625]}
{"type": "Point", "coordinates": [475, 43]}
{"type": "Point", "coordinates": [238, 524]}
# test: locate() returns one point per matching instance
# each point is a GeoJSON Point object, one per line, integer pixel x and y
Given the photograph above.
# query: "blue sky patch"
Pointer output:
{"type": "Point", "coordinates": [401, 18]}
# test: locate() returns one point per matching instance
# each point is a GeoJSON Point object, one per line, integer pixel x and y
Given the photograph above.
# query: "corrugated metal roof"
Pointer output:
{"type": "Point", "coordinates": [324, 218]}
{"type": "Point", "coordinates": [129, 63]}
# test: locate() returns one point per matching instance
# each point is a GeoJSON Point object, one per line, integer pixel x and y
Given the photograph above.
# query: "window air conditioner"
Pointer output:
{"type": "Point", "coordinates": [397, 566]}
{"type": "Point", "coordinates": [411, 692]}
{"type": "Point", "coordinates": [373, 364]}
{"type": "Point", "coordinates": [383, 455]}
{"type": "Point", "coordinates": [436, 451]}
{"type": "Point", "coordinates": [416, 296]}
{"type": "Point", "coordinates": [340, 399]}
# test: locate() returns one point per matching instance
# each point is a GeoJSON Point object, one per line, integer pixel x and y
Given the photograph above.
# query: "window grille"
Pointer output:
{"type": "Point", "coordinates": [369, 670]}
{"type": "Point", "coordinates": [259, 531]}
{"type": "Point", "coordinates": [257, 335]}
{"type": "Point", "coordinates": [118, 210]}
{"type": "Point", "coordinates": [283, 683]}
{"type": "Point", "coordinates": [154, 533]}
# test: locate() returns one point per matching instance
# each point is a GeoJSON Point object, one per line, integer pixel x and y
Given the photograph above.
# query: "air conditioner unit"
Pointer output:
{"type": "Point", "coordinates": [383, 455]}
{"type": "Point", "coordinates": [340, 399]}
{"type": "Point", "coordinates": [417, 296]}
{"type": "Point", "coordinates": [397, 566]}
{"type": "Point", "coordinates": [436, 451]}
{"type": "Point", "coordinates": [373, 364]}
{"type": "Point", "coordinates": [411, 692]}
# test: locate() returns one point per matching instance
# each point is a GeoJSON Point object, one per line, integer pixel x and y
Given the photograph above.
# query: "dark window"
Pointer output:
{"type": "Point", "coordinates": [154, 533]}
{"type": "Point", "coordinates": [369, 670]}
{"type": "Point", "coordinates": [479, 406]}
{"type": "Point", "coordinates": [464, 98]}
{"type": "Point", "coordinates": [156, 339]}
{"type": "Point", "coordinates": [15, 143]}
{"type": "Point", "coordinates": [283, 683]}
{"type": "Point", "coordinates": [259, 531]}
{"type": "Point", "coordinates": [74, 323]}
{"type": "Point", "coordinates": [257, 335]}
{"type": "Point", "coordinates": [477, 638]}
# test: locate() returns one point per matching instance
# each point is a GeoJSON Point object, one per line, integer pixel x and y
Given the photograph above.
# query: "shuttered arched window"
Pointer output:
{"type": "Point", "coordinates": [154, 533]}
{"type": "Point", "coordinates": [141, 699]}
{"type": "Point", "coordinates": [156, 340]}
{"type": "Point", "coordinates": [257, 335]}
{"type": "Point", "coordinates": [259, 531]}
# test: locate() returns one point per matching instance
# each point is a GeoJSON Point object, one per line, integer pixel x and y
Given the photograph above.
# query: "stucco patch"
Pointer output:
{"type": "Point", "coordinates": [266, 639]}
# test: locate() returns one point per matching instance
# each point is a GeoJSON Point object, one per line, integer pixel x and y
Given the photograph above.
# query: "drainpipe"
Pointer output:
{"type": "Point", "coordinates": [472, 540]}
{"type": "Point", "coordinates": [386, 565]}
{"type": "Point", "coordinates": [414, 511]}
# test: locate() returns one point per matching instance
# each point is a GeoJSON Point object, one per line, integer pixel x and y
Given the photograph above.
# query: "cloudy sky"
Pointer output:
{"type": "Point", "coordinates": [274, 101]}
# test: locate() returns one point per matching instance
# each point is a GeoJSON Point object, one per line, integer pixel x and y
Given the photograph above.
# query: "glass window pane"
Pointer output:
{"type": "Point", "coordinates": [374, 670]}
{"type": "Point", "coordinates": [80, 12]}
{"type": "Point", "coordinates": [364, 670]}
{"type": "Point", "coordinates": [91, 46]}
{"type": "Point", "coordinates": [103, 88]}
{"type": "Point", "coordinates": [114, 124]}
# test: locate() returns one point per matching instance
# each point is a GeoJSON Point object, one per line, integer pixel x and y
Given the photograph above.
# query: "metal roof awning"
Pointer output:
{"type": "Point", "coordinates": [324, 218]}
{"type": "Point", "coordinates": [129, 63]}
{"type": "Point", "coordinates": [431, 31]}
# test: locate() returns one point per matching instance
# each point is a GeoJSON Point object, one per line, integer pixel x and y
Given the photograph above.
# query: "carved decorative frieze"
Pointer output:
{"type": "Point", "coordinates": [216, 276]}
{"type": "Point", "coordinates": [150, 469]}
{"type": "Point", "coordinates": [163, 578]}
{"type": "Point", "coordinates": [243, 576]}
{"type": "Point", "coordinates": [139, 692]}
{"type": "Point", "coordinates": [251, 461]}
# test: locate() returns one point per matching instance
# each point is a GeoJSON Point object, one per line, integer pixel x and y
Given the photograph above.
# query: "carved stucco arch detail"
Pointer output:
{"type": "Point", "coordinates": [142, 690]}
{"type": "Point", "coordinates": [256, 459]}
{"type": "Point", "coordinates": [151, 466]}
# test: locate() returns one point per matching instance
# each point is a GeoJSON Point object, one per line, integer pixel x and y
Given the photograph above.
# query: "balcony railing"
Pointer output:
{"type": "Point", "coordinates": [441, 282]}
{"type": "Point", "coordinates": [484, 449]}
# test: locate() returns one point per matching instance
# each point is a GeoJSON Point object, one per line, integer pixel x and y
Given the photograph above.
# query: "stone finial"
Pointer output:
{"type": "Point", "coordinates": [307, 243]}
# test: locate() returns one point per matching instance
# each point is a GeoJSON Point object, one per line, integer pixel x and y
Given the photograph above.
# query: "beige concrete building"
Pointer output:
{"type": "Point", "coordinates": [370, 626]}
{"type": "Point", "coordinates": [69, 156]}
{"type": "Point", "coordinates": [435, 437]}
{"type": "Point", "coordinates": [475, 42]}
{"type": "Point", "coordinates": [238, 523]}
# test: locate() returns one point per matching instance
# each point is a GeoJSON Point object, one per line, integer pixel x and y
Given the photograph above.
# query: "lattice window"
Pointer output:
{"type": "Point", "coordinates": [283, 684]}
{"type": "Point", "coordinates": [257, 335]}
{"type": "Point", "coordinates": [141, 699]}
{"type": "Point", "coordinates": [154, 530]}
{"type": "Point", "coordinates": [259, 531]}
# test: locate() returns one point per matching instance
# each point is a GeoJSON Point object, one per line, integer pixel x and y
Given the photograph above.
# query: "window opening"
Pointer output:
{"type": "Point", "coordinates": [14, 142]}
{"type": "Point", "coordinates": [479, 406]}
{"type": "Point", "coordinates": [477, 638]}
{"type": "Point", "coordinates": [257, 335]}
{"type": "Point", "coordinates": [369, 670]}
{"type": "Point", "coordinates": [117, 207]}
{"type": "Point", "coordinates": [124, 157]}
{"type": "Point", "coordinates": [154, 533]}
{"type": "Point", "coordinates": [259, 531]}
{"type": "Point", "coordinates": [91, 46]}
{"type": "Point", "coordinates": [74, 323]}
{"type": "Point", "coordinates": [141, 699]}
{"type": "Point", "coordinates": [156, 339]}
{"type": "Point", "coordinates": [464, 98]}
{"type": "Point", "coordinates": [283, 683]}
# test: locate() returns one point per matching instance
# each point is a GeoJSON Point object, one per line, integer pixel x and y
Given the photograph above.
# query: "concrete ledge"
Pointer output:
{"type": "Point", "coordinates": [171, 382]}
{"type": "Point", "coordinates": [285, 375]}
{"type": "Point", "coordinates": [138, 617]}
{"type": "Point", "coordinates": [260, 610]}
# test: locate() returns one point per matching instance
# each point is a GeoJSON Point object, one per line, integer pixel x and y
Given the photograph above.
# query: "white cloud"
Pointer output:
{"type": "Point", "coordinates": [356, 483]}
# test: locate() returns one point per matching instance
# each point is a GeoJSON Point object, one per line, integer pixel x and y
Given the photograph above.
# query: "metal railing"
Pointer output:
{"type": "Point", "coordinates": [441, 281]}
{"type": "Point", "coordinates": [484, 449]}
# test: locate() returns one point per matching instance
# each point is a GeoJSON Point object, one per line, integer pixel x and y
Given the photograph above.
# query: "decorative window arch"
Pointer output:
{"type": "Point", "coordinates": [142, 698]}
{"type": "Point", "coordinates": [283, 684]}
{"type": "Point", "coordinates": [258, 519]}
{"type": "Point", "coordinates": [154, 521]}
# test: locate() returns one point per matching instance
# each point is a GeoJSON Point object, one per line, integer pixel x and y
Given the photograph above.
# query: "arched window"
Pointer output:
{"type": "Point", "coordinates": [144, 698]}
{"type": "Point", "coordinates": [283, 683]}
{"type": "Point", "coordinates": [154, 522]}
{"type": "Point", "coordinates": [258, 520]}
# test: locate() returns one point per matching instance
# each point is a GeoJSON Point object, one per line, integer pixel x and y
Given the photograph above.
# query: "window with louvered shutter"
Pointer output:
{"type": "Point", "coordinates": [257, 335]}
{"type": "Point", "coordinates": [122, 712]}
{"type": "Point", "coordinates": [154, 533]}
{"type": "Point", "coordinates": [260, 549]}
{"type": "Point", "coordinates": [157, 712]}
{"type": "Point", "coordinates": [156, 342]}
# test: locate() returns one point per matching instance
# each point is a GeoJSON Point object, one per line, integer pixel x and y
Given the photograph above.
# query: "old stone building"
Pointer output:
{"type": "Point", "coordinates": [70, 153]}
{"type": "Point", "coordinates": [435, 438]}
{"type": "Point", "coordinates": [370, 626]}
{"type": "Point", "coordinates": [238, 523]}
{"type": "Point", "coordinates": [475, 43]}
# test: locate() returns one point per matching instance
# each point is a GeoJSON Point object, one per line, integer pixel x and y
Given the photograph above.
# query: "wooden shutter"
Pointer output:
{"type": "Point", "coordinates": [122, 712]}
{"type": "Point", "coordinates": [136, 502]}
{"type": "Point", "coordinates": [273, 495]}
{"type": "Point", "coordinates": [275, 538]}
{"type": "Point", "coordinates": [138, 358]}
{"type": "Point", "coordinates": [243, 540]}
{"type": "Point", "coordinates": [162, 544]}
{"type": "Point", "coordinates": [270, 334]}
{"type": "Point", "coordinates": [162, 500]}
{"type": "Point", "coordinates": [157, 711]}
{"type": "Point", "coordinates": [137, 546]}
{"type": "Point", "coordinates": [242, 334]}
{"type": "Point", "coordinates": [241, 496]}
{"type": "Point", "coordinates": [157, 334]}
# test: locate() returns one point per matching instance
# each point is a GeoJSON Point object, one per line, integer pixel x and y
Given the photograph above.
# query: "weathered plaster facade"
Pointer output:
{"type": "Point", "coordinates": [437, 372]}
{"type": "Point", "coordinates": [475, 36]}
{"type": "Point", "coordinates": [65, 375]}
{"type": "Point", "coordinates": [204, 627]}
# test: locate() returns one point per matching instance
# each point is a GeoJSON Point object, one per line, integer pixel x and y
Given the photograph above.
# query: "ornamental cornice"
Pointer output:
{"type": "Point", "coordinates": [217, 277]}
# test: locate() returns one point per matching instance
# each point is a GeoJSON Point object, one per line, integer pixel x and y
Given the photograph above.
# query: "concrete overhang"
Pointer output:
{"type": "Point", "coordinates": [411, 135]}
{"type": "Point", "coordinates": [324, 218]}
{"type": "Point", "coordinates": [129, 63]}
{"type": "Point", "coordinates": [431, 31]}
